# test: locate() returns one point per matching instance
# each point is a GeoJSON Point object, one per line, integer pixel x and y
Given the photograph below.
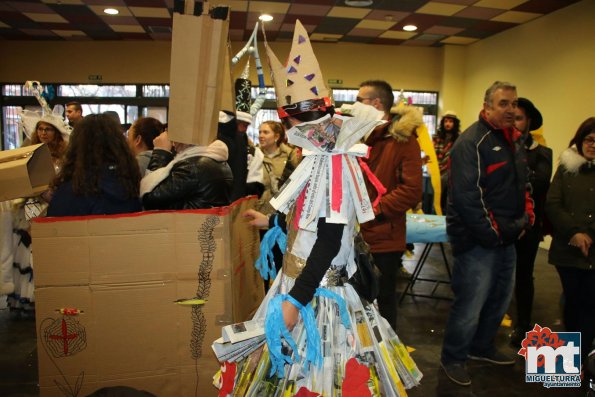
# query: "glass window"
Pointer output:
{"type": "Point", "coordinates": [270, 93]}
{"type": "Point", "coordinates": [89, 90]}
{"type": "Point", "coordinates": [131, 114]}
{"type": "Point", "coordinates": [156, 91]}
{"type": "Point", "coordinates": [159, 113]}
{"type": "Point", "coordinates": [12, 138]}
{"type": "Point", "coordinates": [12, 90]}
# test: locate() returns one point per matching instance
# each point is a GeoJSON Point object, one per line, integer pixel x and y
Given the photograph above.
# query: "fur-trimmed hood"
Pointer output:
{"type": "Point", "coordinates": [572, 160]}
{"type": "Point", "coordinates": [405, 121]}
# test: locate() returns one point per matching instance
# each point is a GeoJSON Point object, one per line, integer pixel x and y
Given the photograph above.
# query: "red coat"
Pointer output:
{"type": "Point", "coordinates": [396, 161]}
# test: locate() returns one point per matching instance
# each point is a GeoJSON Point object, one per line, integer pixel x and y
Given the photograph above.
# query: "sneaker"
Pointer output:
{"type": "Point", "coordinates": [497, 358]}
{"type": "Point", "coordinates": [404, 273]}
{"type": "Point", "coordinates": [457, 372]}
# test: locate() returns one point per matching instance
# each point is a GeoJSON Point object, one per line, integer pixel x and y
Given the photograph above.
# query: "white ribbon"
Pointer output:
{"type": "Point", "coordinates": [322, 141]}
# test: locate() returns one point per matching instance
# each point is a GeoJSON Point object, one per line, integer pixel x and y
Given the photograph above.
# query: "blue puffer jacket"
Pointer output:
{"type": "Point", "coordinates": [488, 200]}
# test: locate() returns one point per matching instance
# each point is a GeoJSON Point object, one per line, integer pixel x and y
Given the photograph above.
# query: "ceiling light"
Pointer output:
{"type": "Point", "coordinates": [358, 3]}
{"type": "Point", "coordinates": [265, 18]}
{"type": "Point", "coordinates": [111, 11]}
{"type": "Point", "coordinates": [409, 28]}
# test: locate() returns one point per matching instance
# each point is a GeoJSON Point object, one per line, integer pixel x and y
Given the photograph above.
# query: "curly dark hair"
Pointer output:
{"type": "Point", "coordinates": [456, 128]}
{"type": "Point", "coordinates": [57, 145]}
{"type": "Point", "coordinates": [148, 128]}
{"type": "Point", "coordinates": [587, 127]}
{"type": "Point", "coordinates": [97, 143]}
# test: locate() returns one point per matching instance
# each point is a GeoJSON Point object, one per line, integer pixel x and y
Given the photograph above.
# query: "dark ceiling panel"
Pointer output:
{"type": "Point", "coordinates": [543, 6]}
{"type": "Point", "coordinates": [400, 5]}
{"type": "Point", "coordinates": [336, 25]}
{"type": "Point", "coordinates": [327, 17]}
{"type": "Point", "coordinates": [145, 3]}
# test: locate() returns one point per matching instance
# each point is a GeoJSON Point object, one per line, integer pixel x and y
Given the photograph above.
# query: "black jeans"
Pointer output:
{"type": "Point", "coordinates": [277, 257]}
{"type": "Point", "coordinates": [579, 304]}
{"type": "Point", "coordinates": [388, 263]}
{"type": "Point", "coordinates": [526, 251]}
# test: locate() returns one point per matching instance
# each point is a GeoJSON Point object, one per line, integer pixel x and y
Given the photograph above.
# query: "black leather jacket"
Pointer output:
{"type": "Point", "coordinates": [196, 182]}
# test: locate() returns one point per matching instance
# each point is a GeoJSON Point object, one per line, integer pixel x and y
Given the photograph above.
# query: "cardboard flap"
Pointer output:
{"type": "Point", "coordinates": [199, 45]}
{"type": "Point", "coordinates": [25, 172]}
{"type": "Point", "coordinates": [228, 100]}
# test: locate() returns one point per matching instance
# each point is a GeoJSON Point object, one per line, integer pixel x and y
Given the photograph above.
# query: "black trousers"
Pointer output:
{"type": "Point", "coordinates": [526, 251]}
{"type": "Point", "coordinates": [579, 304]}
{"type": "Point", "coordinates": [277, 257]}
{"type": "Point", "coordinates": [388, 263]}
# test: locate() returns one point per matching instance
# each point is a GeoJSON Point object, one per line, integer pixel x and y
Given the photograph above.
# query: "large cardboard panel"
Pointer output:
{"type": "Point", "coordinates": [25, 172]}
{"type": "Point", "coordinates": [129, 331]}
{"type": "Point", "coordinates": [198, 51]}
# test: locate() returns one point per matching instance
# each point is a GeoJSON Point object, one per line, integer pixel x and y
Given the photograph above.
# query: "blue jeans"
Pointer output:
{"type": "Point", "coordinates": [482, 281]}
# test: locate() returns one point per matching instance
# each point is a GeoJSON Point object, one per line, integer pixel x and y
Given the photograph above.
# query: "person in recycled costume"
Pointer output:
{"type": "Point", "coordinates": [321, 338]}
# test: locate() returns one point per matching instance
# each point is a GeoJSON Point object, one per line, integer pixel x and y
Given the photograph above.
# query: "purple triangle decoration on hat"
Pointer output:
{"type": "Point", "coordinates": [314, 90]}
{"type": "Point", "coordinates": [289, 83]}
{"type": "Point", "coordinates": [297, 59]}
{"type": "Point", "coordinates": [301, 39]}
{"type": "Point", "coordinates": [309, 77]}
{"type": "Point", "coordinates": [291, 70]}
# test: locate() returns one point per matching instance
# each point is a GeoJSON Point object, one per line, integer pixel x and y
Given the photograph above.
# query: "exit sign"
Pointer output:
{"type": "Point", "coordinates": [335, 81]}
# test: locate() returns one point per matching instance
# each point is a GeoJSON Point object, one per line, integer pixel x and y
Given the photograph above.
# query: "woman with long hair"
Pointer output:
{"type": "Point", "coordinates": [140, 139]}
{"type": "Point", "coordinates": [570, 207]}
{"type": "Point", "coordinates": [99, 174]}
{"type": "Point", "coordinates": [52, 134]}
{"type": "Point", "coordinates": [279, 161]}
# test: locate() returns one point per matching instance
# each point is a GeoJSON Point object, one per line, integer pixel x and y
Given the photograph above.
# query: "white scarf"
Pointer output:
{"type": "Point", "coordinates": [216, 150]}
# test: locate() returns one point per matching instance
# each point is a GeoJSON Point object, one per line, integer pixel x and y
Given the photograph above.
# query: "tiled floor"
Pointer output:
{"type": "Point", "coordinates": [421, 325]}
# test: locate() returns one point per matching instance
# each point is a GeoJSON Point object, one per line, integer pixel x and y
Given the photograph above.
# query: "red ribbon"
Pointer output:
{"type": "Point", "coordinates": [374, 180]}
{"type": "Point", "coordinates": [299, 205]}
{"type": "Point", "coordinates": [337, 197]}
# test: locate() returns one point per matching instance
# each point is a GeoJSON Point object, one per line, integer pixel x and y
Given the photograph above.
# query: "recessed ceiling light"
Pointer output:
{"type": "Point", "coordinates": [410, 28]}
{"type": "Point", "coordinates": [111, 11]}
{"type": "Point", "coordinates": [265, 18]}
{"type": "Point", "coordinates": [358, 3]}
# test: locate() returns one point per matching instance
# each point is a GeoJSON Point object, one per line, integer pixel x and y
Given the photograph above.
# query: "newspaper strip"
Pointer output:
{"type": "Point", "coordinates": [315, 195]}
{"type": "Point", "coordinates": [288, 193]}
{"type": "Point", "coordinates": [359, 194]}
{"type": "Point", "coordinates": [241, 331]}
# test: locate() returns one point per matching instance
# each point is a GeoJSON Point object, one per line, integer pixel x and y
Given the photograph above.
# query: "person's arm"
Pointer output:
{"type": "Point", "coordinates": [162, 154]}
{"type": "Point", "coordinates": [408, 191]}
{"type": "Point", "coordinates": [159, 158]}
{"type": "Point", "coordinates": [326, 247]}
{"type": "Point", "coordinates": [177, 186]}
{"type": "Point", "coordinates": [563, 223]}
{"type": "Point", "coordinates": [542, 174]}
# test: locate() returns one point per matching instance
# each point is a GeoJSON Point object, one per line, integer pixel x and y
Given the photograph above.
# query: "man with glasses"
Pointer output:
{"type": "Point", "coordinates": [488, 210]}
{"type": "Point", "coordinates": [395, 159]}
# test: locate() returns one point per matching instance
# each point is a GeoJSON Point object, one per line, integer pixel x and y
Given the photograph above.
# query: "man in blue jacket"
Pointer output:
{"type": "Point", "coordinates": [488, 210]}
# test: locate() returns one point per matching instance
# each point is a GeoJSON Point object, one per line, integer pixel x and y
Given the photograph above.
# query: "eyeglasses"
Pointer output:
{"type": "Point", "coordinates": [589, 141]}
{"type": "Point", "coordinates": [362, 99]}
{"type": "Point", "coordinates": [45, 129]}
